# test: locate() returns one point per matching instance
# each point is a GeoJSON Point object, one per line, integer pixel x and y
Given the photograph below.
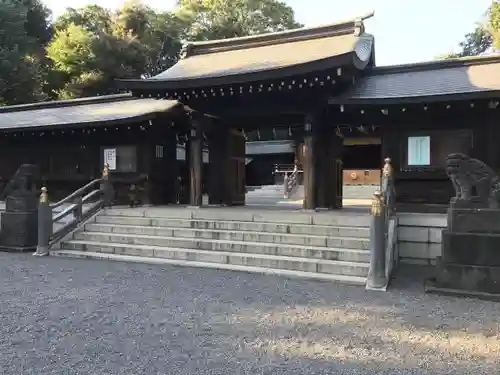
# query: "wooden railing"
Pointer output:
{"type": "Point", "coordinates": [384, 257]}
{"type": "Point", "coordinates": [96, 194]}
{"type": "Point", "coordinates": [291, 180]}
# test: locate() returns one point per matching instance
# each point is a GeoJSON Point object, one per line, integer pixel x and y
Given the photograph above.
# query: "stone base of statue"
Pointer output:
{"type": "Point", "coordinates": [19, 231]}
{"type": "Point", "coordinates": [470, 260]}
{"type": "Point", "coordinates": [19, 225]}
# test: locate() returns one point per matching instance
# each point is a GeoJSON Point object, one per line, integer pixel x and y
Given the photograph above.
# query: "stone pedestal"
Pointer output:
{"type": "Point", "coordinates": [470, 261]}
{"type": "Point", "coordinates": [19, 231]}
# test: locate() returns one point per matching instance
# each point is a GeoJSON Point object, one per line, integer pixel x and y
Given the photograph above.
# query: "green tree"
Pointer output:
{"type": "Point", "coordinates": [72, 50]}
{"type": "Point", "coordinates": [158, 33]}
{"type": "Point", "coordinates": [93, 18]}
{"type": "Point", "coordinates": [219, 19]}
{"type": "Point", "coordinates": [494, 24]}
{"type": "Point", "coordinates": [476, 42]}
{"type": "Point", "coordinates": [23, 32]}
{"type": "Point", "coordinates": [94, 46]}
{"type": "Point", "coordinates": [485, 36]}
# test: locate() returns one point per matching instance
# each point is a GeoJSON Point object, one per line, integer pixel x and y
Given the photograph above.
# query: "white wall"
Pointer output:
{"type": "Point", "coordinates": [419, 237]}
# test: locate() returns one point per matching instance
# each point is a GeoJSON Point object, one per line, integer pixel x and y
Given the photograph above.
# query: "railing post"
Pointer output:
{"type": "Point", "coordinates": [376, 276]}
{"type": "Point", "coordinates": [285, 185]}
{"type": "Point", "coordinates": [78, 212]}
{"type": "Point", "coordinates": [44, 224]}
{"type": "Point", "coordinates": [106, 187]}
{"type": "Point", "coordinates": [388, 184]}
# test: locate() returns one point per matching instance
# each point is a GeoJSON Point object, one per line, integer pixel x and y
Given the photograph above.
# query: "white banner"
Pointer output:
{"type": "Point", "coordinates": [419, 151]}
{"type": "Point", "coordinates": [110, 158]}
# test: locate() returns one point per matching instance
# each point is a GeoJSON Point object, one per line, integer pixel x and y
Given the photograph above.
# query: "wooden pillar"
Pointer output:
{"type": "Point", "coordinates": [322, 179]}
{"type": "Point", "coordinates": [163, 169]}
{"type": "Point", "coordinates": [309, 163]}
{"type": "Point", "coordinates": [237, 166]}
{"type": "Point", "coordinates": [329, 168]}
{"type": "Point", "coordinates": [169, 154]}
{"type": "Point", "coordinates": [219, 192]}
{"type": "Point", "coordinates": [322, 165]}
{"type": "Point", "coordinates": [195, 163]}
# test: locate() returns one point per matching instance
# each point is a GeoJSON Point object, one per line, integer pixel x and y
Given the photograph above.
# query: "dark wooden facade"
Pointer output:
{"type": "Point", "coordinates": [451, 128]}
{"type": "Point", "coordinates": [72, 154]}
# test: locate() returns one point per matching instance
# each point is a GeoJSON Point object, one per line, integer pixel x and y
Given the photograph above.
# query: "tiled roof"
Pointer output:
{"type": "Point", "coordinates": [439, 80]}
{"type": "Point", "coordinates": [266, 56]}
{"type": "Point", "coordinates": [81, 112]}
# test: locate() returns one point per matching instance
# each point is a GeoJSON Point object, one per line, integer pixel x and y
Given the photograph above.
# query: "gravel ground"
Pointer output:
{"type": "Point", "coordinates": [64, 316]}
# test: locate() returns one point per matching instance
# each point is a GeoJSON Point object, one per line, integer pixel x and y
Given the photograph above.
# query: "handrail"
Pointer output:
{"type": "Point", "coordinates": [76, 193]}
{"type": "Point", "coordinates": [383, 232]}
{"type": "Point", "coordinates": [276, 171]}
{"type": "Point", "coordinates": [48, 218]}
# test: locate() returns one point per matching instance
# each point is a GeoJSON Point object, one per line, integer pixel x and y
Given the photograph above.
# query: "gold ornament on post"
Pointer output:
{"type": "Point", "coordinates": [44, 197]}
{"type": "Point", "coordinates": [387, 171]}
{"type": "Point", "coordinates": [377, 203]}
{"type": "Point", "coordinates": [105, 172]}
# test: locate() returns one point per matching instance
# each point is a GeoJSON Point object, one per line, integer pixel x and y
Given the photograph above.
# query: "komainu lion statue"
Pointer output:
{"type": "Point", "coordinates": [473, 180]}
{"type": "Point", "coordinates": [20, 193]}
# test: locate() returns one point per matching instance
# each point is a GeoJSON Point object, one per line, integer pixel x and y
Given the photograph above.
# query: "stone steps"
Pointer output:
{"type": "Point", "coordinates": [224, 257]}
{"type": "Point", "coordinates": [246, 226]}
{"type": "Point", "coordinates": [316, 252]}
{"type": "Point", "coordinates": [353, 280]}
{"type": "Point", "coordinates": [232, 235]}
{"type": "Point", "coordinates": [289, 243]}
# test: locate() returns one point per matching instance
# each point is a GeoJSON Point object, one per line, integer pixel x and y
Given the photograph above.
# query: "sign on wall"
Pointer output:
{"type": "Point", "coordinates": [419, 151]}
{"type": "Point", "coordinates": [110, 158]}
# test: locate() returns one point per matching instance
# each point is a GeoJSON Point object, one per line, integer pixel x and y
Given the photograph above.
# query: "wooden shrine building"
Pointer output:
{"type": "Point", "coordinates": [322, 81]}
{"type": "Point", "coordinates": [275, 79]}
{"type": "Point", "coordinates": [69, 139]}
{"type": "Point", "coordinates": [325, 79]}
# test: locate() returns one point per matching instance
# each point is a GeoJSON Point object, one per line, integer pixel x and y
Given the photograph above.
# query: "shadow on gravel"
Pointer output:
{"type": "Point", "coordinates": [63, 316]}
{"type": "Point", "coordinates": [393, 332]}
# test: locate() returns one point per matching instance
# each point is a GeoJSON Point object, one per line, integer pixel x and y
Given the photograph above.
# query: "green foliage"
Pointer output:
{"type": "Point", "coordinates": [21, 69]}
{"type": "Point", "coordinates": [446, 56]}
{"type": "Point", "coordinates": [157, 35]}
{"type": "Point", "coordinates": [72, 50]}
{"type": "Point", "coordinates": [476, 42]}
{"type": "Point", "coordinates": [84, 50]}
{"type": "Point", "coordinates": [92, 18]}
{"type": "Point", "coordinates": [494, 23]}
{"type": "Point", "coordinates": [219, 19]}
{"type": "Point", "coordinates": [485, 36]}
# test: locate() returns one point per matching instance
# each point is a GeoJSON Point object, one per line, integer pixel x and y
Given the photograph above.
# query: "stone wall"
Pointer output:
{"type": "Point", "coordinates": [419, 237]}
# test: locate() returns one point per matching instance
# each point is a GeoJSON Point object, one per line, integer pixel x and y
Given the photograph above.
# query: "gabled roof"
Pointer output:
{"type": "Point", "coordinates": [442, 80]}
{"type": "Point", "coordinates": [266, 56]}
{"type": "Point", "coordinates": [109, 109]}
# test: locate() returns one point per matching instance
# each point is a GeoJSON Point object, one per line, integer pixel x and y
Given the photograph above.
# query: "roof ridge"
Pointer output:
{"type": "Point", "coordinates": [435, 64]}
{"type": "Point", "coordinates": [67, 103]}
{"type": "Point", "coordinates": [353, 26]}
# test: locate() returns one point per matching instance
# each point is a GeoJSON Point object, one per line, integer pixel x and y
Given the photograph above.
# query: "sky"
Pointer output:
{"type": "Point", "coordinates": [405, 31]}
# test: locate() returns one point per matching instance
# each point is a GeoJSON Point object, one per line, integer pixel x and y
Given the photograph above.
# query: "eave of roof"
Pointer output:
{"type": "Point", "coordinates": [264, 57]}
{"type": "Point", "coordinates": [435, 81]}
{"type": "Point", "coordinates": [67, 103]}
{"type": "Point", "coordinates": [105, 110]}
